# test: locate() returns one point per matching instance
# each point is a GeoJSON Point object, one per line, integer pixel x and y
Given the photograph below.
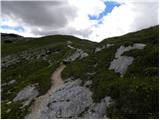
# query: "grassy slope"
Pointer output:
{"type": "Point", "coordinates": [136, 94]}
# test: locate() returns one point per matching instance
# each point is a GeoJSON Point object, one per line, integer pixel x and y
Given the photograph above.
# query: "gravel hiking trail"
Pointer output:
{"type": "Point", "coordinates": [40, 102]}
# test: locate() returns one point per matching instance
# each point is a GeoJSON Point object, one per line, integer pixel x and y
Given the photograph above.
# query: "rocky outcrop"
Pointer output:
{"type": "Point", "coordinates": [103, 47]}
{"type": "Point", "coordinates": [77, 54]}
{"type": "Point", "coordinates": [99, 48]}
{"type": "Point", "coordinates": [71, 47]}
{"type": "Point", "coordinates": [27, 94]}
{"type": "Point", "coordinates": [121, 63]}
{"type": "Point", "coordinates": [98, 110]}
{"type": "Point", "coordinates": [9, 83]}
{"type": "Point", "coordinates": [25, 55]}
{"type": "Point", "coordinates": [70, 101]}
{"type": "Point", "coordinates": [123, 49]}
{"type": "Point", "coordinates": [69, 42]}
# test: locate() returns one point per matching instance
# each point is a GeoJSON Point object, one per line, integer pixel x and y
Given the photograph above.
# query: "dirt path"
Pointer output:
{"type": "Point", "coordinates": [41, 101]}
{"type": "Point", "coordinates": [56, 76]}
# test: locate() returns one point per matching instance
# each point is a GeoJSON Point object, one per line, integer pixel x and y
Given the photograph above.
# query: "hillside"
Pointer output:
{"type": "Point", "coordinates": [66, 77]}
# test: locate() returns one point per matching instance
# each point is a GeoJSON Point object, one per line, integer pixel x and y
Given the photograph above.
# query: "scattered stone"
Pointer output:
{"type": "Point", "coordinates": [26, 95]}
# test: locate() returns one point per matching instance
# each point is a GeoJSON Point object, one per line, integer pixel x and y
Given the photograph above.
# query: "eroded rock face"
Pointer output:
{"type": "Point", "coordinates": [27, 94]}
{"type": "Point", "coordinates": [121, 63]}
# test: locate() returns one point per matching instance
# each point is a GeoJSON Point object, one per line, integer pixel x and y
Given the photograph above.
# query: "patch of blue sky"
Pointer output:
{"type": "Point", "coordinates": [16, 28]}
{"type": "Point", "coordinates": [109, 7]}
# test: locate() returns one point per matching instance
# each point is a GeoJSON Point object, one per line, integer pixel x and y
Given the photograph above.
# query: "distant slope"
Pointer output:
{"type": "Point", "coordinates": [34, 43]}
{"type": "Point", "coordinates": [28, 63]}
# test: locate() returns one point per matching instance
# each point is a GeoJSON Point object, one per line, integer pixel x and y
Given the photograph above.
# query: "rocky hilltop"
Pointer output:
{"type": "Point", "coordinates": [63, 76]}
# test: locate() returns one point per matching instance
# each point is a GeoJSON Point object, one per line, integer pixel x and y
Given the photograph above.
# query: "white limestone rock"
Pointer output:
{"type": "Point", "coordinates": [97, 49]}
{"type": "Point", "coordinates": [109, 45]}
{"type": "Point", "coordinates": [71, 47]}
{"type": "Point", "coordinates": [98, 110]}
{"type": "Point", "coordinates": [68, 101]}
{"type": "Point", "coordinates": [103, 47]}
{"type": "Point", "coordinates": [27, 94]}
{"type": "Point", "coordinates": [11, 82]}
{"type": "Point", "coordinates": [100, 48]}
{"type": "Point", "coordinates": [123, 49]}
{"type": "Point", "coordinates": [77, 54]}
{"type": "Point", "coordinates": [121, 64]}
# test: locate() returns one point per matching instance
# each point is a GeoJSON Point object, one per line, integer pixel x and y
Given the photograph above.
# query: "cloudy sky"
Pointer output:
{"type": "Point", "coordinates": [89, 19]}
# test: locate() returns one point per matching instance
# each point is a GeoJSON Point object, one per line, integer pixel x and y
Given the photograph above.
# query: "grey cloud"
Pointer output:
{"type": "Point", "coordinates": [45, 14]}
{"type": "Point", "coordinates": [147, 15]}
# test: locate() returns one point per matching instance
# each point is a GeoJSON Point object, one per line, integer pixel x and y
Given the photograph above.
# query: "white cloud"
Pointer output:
{"type": "Point", "coordinates": [71, 17]}
{"type": "Point", "coordinates": [130, 16]}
